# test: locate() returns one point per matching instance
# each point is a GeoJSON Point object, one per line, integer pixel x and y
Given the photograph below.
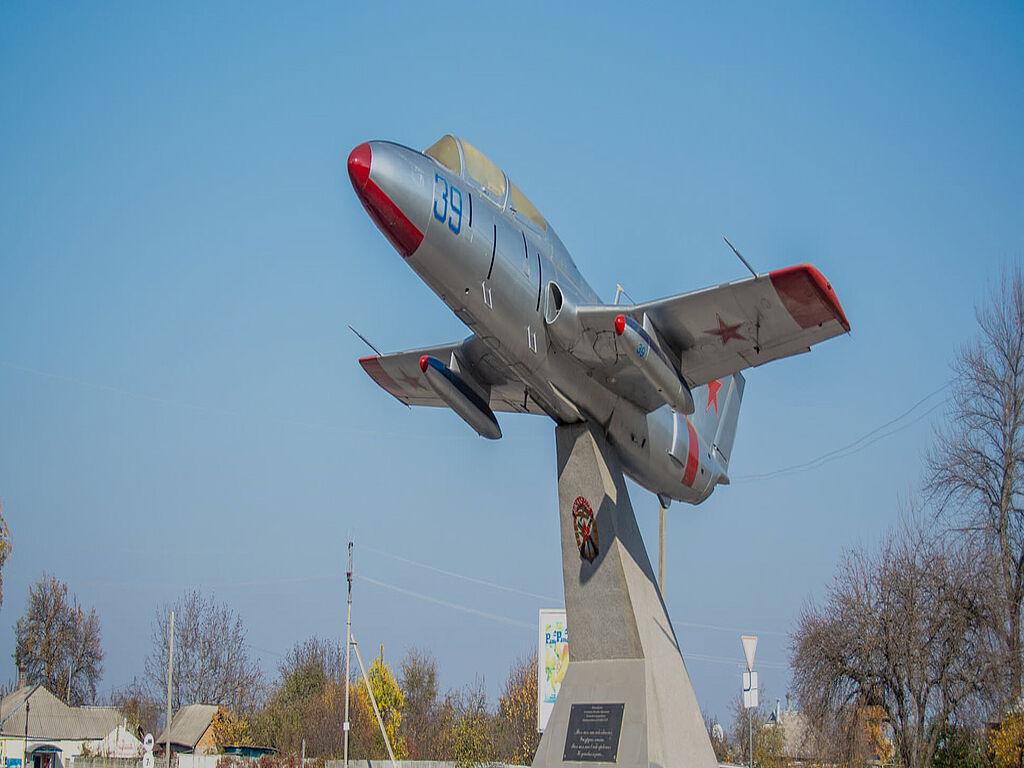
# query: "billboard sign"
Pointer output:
{"type": "Point", "coordinates": [552, 662]}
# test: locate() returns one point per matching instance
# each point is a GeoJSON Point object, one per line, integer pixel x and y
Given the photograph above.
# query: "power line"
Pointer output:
{"type": "Point", "coordinates": [524, 625]}
{"type": "Point", "coordinates": [470, 579]}
{"type": "Point", "coordinates": [265, 650]}
{"type": "Point", "coordinates": [738, 663]}
{"type": "Point", "coordinates": [864, 441]}
{"type": "Point", "coordinates": [274, 582]}
{"type": "Point", "coordinates": [842, 452]}
{"type": "Point", "coordinates": [557, 600]}
{"type": "Point", "coordinates": [729, 629]}
{"type": "Point", "coordinates": [445, 603]}
{"type": "Point", "coordinates": [403, 590]}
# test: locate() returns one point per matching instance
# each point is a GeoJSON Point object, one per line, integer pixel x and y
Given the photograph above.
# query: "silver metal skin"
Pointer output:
{"type": "Point", "coordinates": [516, 287]}
{"type": "Point", "coordinates": [460, 397]}
{"type": "Point", "coordinates": [648, 357]}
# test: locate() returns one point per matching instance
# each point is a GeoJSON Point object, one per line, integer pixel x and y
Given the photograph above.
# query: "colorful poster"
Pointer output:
{"type": "Point", "coordinates": [552, 662]}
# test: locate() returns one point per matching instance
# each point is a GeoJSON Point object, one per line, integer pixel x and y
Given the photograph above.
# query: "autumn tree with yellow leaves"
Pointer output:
{"type": "Point", "coordinates": [390, 701]}
{"type": "Point", "coordinates": [229, 729]}
{"type": "Point", "coordinates": [5, 550]}
{"type": "Point", "coordinates": [1006, 744]}
{"type": "Point", "coordinates": [465, 728]}
{"type": "Point", "coordinates": [517, 713]}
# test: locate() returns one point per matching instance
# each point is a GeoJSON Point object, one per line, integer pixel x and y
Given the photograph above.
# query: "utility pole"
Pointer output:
{"type": "Point", "coordinates": [170, 677]}
{"type": "Point", "coordinates": [750, 689]}
{"type": "Point", "coordinates": [661, 550]}
{"type": "Point", "coordinates": [750, 738]}
{"type": "Point", "coordinates": [348, 646]}
{"type": "Point", "coordinates": [24, 745]}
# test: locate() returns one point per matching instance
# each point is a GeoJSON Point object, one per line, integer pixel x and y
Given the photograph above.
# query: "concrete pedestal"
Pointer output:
{"type": "Point", "coordinates": [622, 647]}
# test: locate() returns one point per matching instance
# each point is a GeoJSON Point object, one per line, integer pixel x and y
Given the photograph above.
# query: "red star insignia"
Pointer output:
{"type": "Point", "coordinates": [410, 381]}
{"type": "Point", "coordinates": [726, 332]}
{"type": "Point", "coordinates": [713, 388]}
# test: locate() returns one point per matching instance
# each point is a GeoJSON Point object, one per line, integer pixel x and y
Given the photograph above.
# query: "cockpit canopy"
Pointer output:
{"type": "Point", "coordinates": [452, 153]}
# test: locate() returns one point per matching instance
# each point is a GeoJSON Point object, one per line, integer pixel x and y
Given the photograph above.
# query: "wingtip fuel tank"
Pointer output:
{"type": "Point", "coordinates": [460, 397]}
{"type": "Point", "coordinates": [645, 353]}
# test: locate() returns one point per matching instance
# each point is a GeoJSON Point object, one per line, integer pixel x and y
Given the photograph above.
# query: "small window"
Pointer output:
{"type": "Point", "coordinates": [525, 208]}
{"type": "Point", "coordinates": [482, 170]}
{"type": "Point", "coordinates": [446, 152]}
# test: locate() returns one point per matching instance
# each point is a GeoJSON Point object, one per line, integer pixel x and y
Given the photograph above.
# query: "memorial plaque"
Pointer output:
{"type": "Point", "coordinates": [593, 734]}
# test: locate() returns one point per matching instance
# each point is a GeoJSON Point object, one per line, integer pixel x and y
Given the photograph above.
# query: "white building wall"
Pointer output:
{"type": "Point", "coordinates": [12, 749]}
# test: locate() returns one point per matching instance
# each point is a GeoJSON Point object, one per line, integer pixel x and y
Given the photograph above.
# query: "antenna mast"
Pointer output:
{"type": "Point", "coordinates": [348, 647]}
{"type": "Point", "coordinates": [738, 255]}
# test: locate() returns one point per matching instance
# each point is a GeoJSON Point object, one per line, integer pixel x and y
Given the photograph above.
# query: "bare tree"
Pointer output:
{"type": "Point", "coordinates": [976, 471]}
{"type": "Point", "coordinates": [58, 643]}
{"type": "Point", "coordinates": [768, 740]}
{"type": "Point", "coordinates": [465, 727]}
{"type": "Point", "coordinates": [903, 630]}
{"type": "Point", "coordinates": [326, 657]}
{"type": "Point", "coordinates": [137, 706]}
{"type": "Point", "coordinates": [307, 702]}
{"type": "Point", "coordinates": [211, 661]}
{"type": "Point", "coordinates": [419, 684]}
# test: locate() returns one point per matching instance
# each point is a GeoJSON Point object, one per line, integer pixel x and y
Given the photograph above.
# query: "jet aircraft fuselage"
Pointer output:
{"type": "Point", "coordinates": [543, 341]}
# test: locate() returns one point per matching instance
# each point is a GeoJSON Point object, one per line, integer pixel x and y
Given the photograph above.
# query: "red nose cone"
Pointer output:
{"type": "Point", "coordinates": [424, 361]}
{"type": "Point", "coordinates": [620, 324]}
{"type": "Point", "coordinates": [359, 166]}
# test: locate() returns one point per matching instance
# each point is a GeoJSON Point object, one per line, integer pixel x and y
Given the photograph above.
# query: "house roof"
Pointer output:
{"type": "Point", "coordinates": [51, 718]}
{"type": "Point", "coordinates": [796, 732]}
{"type": "Point", "coordinates": [189, 724]}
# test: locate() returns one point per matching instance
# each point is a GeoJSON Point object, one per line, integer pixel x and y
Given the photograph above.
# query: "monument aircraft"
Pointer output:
{"type": "Point", "coordinates": [660, 379]}
{"type": "Point", "coordinates": [651, 390]}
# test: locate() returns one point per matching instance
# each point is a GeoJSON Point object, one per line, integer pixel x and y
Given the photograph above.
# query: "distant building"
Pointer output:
{"type": "Point", "coordinates": [797, 736]}
{"type": "Point", "coordinates": [57, 733]}
{"type": "Point", "coordinates": [191, 730]}
{"type": "Point", "coordinates": [121, 743]}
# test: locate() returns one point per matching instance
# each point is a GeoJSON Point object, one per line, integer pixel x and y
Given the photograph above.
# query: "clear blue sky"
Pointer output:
{"type": "Point", "coordinates": [180, 247]}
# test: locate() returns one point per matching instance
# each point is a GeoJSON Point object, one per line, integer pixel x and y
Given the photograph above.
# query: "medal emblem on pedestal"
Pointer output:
{"type": "Point", "coordinates": [585, 526]}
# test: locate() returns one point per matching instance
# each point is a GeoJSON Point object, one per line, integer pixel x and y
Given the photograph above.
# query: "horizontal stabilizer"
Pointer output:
{"type": "Point", "coordinates": [400, 374]}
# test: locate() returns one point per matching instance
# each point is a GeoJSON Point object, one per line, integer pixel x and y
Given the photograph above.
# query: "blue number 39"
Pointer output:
{"type": "Point", "coordinates": [451, 196]}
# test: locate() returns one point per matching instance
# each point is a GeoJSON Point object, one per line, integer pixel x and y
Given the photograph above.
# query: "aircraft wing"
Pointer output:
{"type": "Point", "coordinates": [722, 330]}
{"type": "Point", "coordinates": [399, 373]}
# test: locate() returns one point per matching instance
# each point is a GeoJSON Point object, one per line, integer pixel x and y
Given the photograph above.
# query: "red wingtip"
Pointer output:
{"type": "Point", "coordinates": [808, 296]}
{"type": "Point", "coordinates": [372, 366]}
{"type": "Point", "coordinates": [620, 324]}
{"type": "Point", "coordinates": [424, 362]}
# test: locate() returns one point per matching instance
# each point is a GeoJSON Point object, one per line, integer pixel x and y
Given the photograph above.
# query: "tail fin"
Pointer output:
{"type": "Point", "coordinates": [717, 412]}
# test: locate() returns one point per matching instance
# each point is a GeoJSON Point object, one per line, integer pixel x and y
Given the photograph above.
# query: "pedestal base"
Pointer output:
{"type": "Point", "coordinates": [626, 698]}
